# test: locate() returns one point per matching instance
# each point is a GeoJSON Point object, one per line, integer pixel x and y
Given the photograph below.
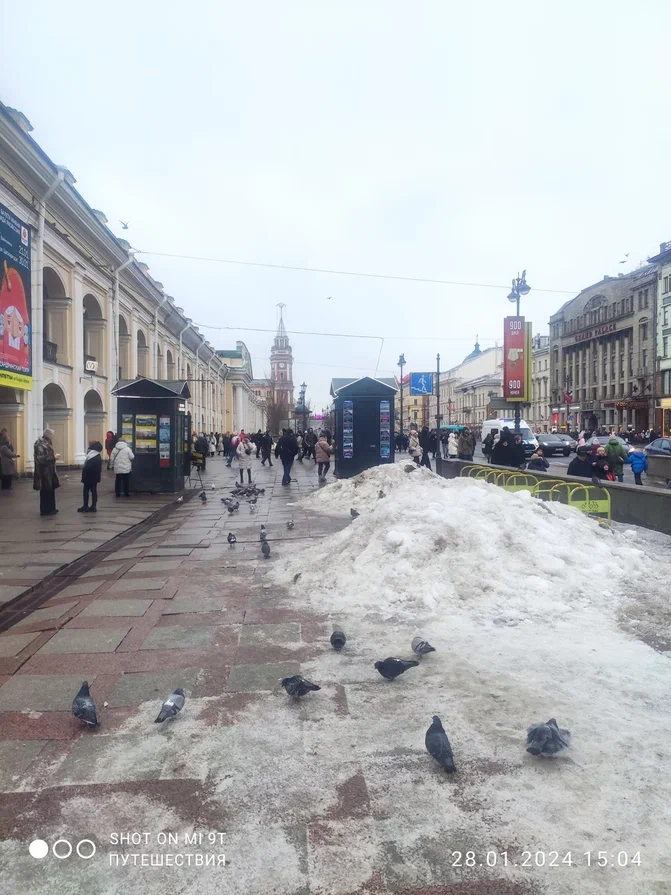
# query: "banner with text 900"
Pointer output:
{"type": "Point", "coordinates": [514, 360]}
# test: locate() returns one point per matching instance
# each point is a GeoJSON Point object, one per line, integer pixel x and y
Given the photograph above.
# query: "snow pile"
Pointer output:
{"type": "Point", "coordinates": [423, 544]}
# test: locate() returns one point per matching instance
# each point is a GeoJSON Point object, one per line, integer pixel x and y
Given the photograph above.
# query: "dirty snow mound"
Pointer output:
{"type": "Point", "coordinates": [369, 486]}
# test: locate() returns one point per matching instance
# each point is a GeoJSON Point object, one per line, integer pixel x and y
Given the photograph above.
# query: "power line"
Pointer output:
{"type": "Point", "coordinates": [345, 273]}
{"type": "Point", "coordinates": [299, 332]}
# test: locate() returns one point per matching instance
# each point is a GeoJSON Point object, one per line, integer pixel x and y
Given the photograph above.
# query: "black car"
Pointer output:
{"type": "Point", "coordinates": [659, 446]}
{"type": "Point", "coordinates": [552, 444]}
{"type": "Point", "coordinates": [571, 442]}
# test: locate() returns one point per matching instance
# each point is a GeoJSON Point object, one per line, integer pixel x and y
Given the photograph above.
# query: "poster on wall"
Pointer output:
{"type": "Point", "coordinates": [16, 367]}
{"type": "Point", "coordinates": [385, 430]}
{"type": "Point", "coordinates": [127, 429]}
{"type": "Point", "coordinates": [145, 433]}
{"type": "Point", "coordinates": [348, 429]}
{"type": "Point", "coordinates": [164, 441]}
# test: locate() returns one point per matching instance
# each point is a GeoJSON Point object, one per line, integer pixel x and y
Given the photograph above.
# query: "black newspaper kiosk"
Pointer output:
{"type": "Point", "coordinates": [152, 419]}
{"type": "Point", "coordinates": [364, 423]}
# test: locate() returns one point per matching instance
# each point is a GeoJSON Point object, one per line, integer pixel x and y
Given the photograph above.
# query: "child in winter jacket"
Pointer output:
{"type": "Point", "coordinates": [639, 464]}
{"type": "Point", "coordinates": [91, 474]}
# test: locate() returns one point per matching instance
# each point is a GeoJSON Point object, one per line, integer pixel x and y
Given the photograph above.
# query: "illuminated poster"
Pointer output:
{"type": "Point", "coordinates": [348, 429]}
{"type": "Point", "coordinates": [16, 368]}
{"type": "Point", "coordinates": [385, 430]}
{"type": "Point", "coordinates": [145, 433]}
{"type": "Point", "coordinates": [164, 441]}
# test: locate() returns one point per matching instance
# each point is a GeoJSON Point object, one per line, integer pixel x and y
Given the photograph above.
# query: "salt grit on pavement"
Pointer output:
{"type": "Point", "coordinates": [535, 611]}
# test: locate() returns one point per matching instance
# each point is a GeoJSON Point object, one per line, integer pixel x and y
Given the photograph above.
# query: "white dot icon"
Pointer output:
{"type": "Point", "coordinates": [38, 848]}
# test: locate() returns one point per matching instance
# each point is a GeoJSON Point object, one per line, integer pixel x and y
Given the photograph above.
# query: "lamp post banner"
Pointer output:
{"type": "Point", "coordinates": [514, 359]}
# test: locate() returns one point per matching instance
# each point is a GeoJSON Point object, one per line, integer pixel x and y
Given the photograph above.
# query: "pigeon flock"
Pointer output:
{"type": "Point", "coordinates": [542, 739]}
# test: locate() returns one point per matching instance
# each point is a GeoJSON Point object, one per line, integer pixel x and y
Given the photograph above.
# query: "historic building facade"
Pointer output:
{"type": "Point", "coordinates": [281, 368]}
{"type": "Point", "coordinates": [602, 354]}
{"type": "Point", "coordinates": [467, 388]}
{"type": "Point", "coordinates": [98, 316]}
{"type": "Point", "coordinates": [662, 261]}
{"type": "Point", "coordinates": [538, 415]}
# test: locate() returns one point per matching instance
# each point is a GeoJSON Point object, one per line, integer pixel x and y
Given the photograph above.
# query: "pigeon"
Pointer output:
{"type": "Point", "coordinates": [83, 707]}
{"type": "Point", "coordinates": [353, 513]}
{"type": "Point", "coordinates": [265, 549]}
{"type": "Point", "coordinates": [390, 668]}
{"type": "Point", "coordinates": [421, 647]}
{"type": "Point", "coordinates": [213, 487]}
{"type": "Point", "coordinates": [253, 500]}
{"type": "Point", "coordinates": [203, 496]}
{"type": "Point", "coordinates": [547, 739]}
{"type": "Point", "coordinates": [173, 704]}
{"type": "Point", "coordinates": [124, 225]}
{"type": "Point", "coordinates": [227, 500]}
{"type": "Point", "coordinates": [263, 535]}
{"type": "Point", "coordinates": [180, 500]}
{"type": "Point", "coordinates": [297, 686]}
{"type": "Point", "coordinates": [596, 481]}
{"type": "Point", "coordinates": [252, 510]}
{"type": "Point", "coordinates": [290, 524]}
{"type": "Point", "coordinates": [231, 538]}
{"type": "Point", "coordinates": [338, 640]}
{"type": "Point", "coordinates": [438, 745]}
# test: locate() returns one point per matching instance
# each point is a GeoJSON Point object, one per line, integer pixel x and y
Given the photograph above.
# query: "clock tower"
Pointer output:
{"type": "Point", "coordinates": [281, 366]}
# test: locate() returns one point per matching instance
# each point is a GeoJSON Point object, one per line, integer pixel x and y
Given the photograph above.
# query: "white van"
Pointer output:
{"type": "Point", "coordinates": [495, 426]}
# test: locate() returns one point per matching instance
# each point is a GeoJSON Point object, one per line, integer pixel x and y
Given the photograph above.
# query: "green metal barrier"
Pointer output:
{"type": "Point", "coordinates": [520, 481]}
{"type": "Point", "coordinates": [544, 486]}
{"type": "Point", "coordinates": [593, 500]}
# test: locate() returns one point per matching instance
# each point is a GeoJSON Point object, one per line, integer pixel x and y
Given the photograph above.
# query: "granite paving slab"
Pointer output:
{"type": "Point", "coordinates": [248, 678]}
{"type": "Point", "coordinates": [125, 607]}
{"type": "Point", "coordinates": [178, 637]}
{"type": "Point", "coordinates": [270, 635]}
{"type": "Point", "coordinates": [12, 644]}
{"type": "Point", "coordinates": [135, 688]}
{"type": "Point", "coordinates": [87, 640]}
{"type": "Point", "coordinates": [194, 604]}
{"type": "Point", "coordinates": [40, 692]}
{"type": "Point", "coordinates": [49, 613]}
{"type": "Point", "coordinates": [136, 584]}
{"type": "Point", "coordinates": [16, 757]}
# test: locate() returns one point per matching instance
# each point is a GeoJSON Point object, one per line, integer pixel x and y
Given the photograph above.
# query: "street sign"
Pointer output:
{"type": "Point", "coordinates": [504, 404]}
{"type": "Point", "coordinates": [421, 383]}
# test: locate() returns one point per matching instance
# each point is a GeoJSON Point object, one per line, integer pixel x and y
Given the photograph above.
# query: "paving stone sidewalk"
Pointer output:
{"type": "Point", "coordinates": [180, 607]}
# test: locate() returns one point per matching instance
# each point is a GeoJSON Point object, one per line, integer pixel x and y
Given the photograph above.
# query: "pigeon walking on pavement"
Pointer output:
{"type": "Point", "coordinates": [180, 500]}
{"type": "Point", "coordinates": [290, 524]}
{"type": "Point", "coordinates": [203, 496]}
{"type": "Point", "coordinates": [231, 538]}
{"type": "Point", "coordinates": [547, 739]}
{"type": "Point", "coordinates": [338, 640]}
{"type": "Point", "coordinates": [390, 668]}
{"type": "Point", "coordinates": [421, 647]}
{"type": "Point", "coordinates": [83, 707]}
{"type": "Point", "coordinates": [353, 513]}
{"type": "Point", "coordinates": [438, 745]}
{"type": "Point", "coordinates": [173, 704]}
{"type": "Point", "coordinates": [297, 686]}
{"type": "Point", "coordinates": [263, 534]}
{"type": "Point", "coordinates": [265, 549]}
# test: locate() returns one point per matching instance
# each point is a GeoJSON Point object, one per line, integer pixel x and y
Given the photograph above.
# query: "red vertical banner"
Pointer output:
{"type": "Point", "coordinates": [514, 361]}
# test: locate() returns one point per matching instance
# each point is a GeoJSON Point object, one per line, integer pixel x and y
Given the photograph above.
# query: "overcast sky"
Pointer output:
{"type": "Point", "coordinates": [455, 141]}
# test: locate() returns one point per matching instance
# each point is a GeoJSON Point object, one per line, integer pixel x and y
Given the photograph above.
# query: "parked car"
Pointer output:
{"type": "Point", "coordinates": [552, 444]}
{"type": "Point", "coordinates": [571, 442]}
{"type": "Point", "coordinates": [603, 441]}
{"type": "Point", "coordinates": [659, 446]}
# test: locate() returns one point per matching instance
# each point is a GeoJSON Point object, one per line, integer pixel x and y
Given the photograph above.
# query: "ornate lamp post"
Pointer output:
{"type": "Point", "coordinates": [401, 363]}
{"type": "Point", "coordinates": [520, 288]}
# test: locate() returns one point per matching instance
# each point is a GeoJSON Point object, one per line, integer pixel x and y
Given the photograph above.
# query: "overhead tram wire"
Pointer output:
{"type": "Point", "coordinates": [344, 273]}
{"type": "Point", "coordinates": [299, 332]}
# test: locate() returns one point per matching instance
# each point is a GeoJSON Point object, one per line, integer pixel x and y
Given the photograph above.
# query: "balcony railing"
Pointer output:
{"type": "Point", "coordinates": [50, 352]}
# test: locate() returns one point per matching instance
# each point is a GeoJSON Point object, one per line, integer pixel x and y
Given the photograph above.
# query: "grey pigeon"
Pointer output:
{"type": "Point", "coordinates": [353, 513]}
{"type": "Point", "coordinates": [297, 686]}
{"type": "Point", "coordinates": [421, 647]}
{"type": "Point", "coordinates": [227, 500]}
{"type": "Point", "coordinates": [547, 739]}
{"type": "Point", "coordinates": [265, 549]}
{"type": "Point", "coordinates": [231, 538]}
{"type": "Point", "coordinates": [390, 668]}
{"type": "Point", "coordinates": [290, 524]}
{"type": "Point", "coordinates": [180, 500]}
{"type": "Point", "coordinates": [173, 704]}
{"type": "Point", "coordinates": [83, 707]}
{"type": "Point", "coordinates": [253, 500]}
{"type": "Point", "coordinates": [263, 534]}
{"type": "Point", "coordinates": [338, 640]}
{"type": "Point", "coordinates": [203, 496]}
{"type": "Point", "coordinates": [438, 745]}
{"type": "Point", "coordinates": [595, 481]}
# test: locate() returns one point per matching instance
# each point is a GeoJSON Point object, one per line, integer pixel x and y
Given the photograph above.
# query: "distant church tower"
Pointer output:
{"type": "Point", "coordinates": [281, 366]}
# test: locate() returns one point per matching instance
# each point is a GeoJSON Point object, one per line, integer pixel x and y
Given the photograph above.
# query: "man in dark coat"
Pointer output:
{"type": "Point", "coordinates": [266, 442]}
{"type": "Point", "coordinates": [286, 449]}
{"type": "Point", "coordinates": [517, 455]}
{"type": "Point", "coordinates": [91, 474]}
{"type": "Point", "coordinates": [425, 444]}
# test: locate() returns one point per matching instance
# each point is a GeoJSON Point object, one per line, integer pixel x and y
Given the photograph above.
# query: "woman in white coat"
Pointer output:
{"type": "Point", "coordinates": [414, 447]}
{"type": "Point", "coordinates": [452, 446]}
{"type": "Point", "coordinates": [121, 462]}
{"type": "Point", "coordinates": [244, 454]}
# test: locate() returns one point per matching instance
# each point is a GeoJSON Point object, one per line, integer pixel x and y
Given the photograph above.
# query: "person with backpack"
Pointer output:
{"type": "Point", "coordinates": [122, 464]}
{"type": "Point", "coordinates": [91, 475]}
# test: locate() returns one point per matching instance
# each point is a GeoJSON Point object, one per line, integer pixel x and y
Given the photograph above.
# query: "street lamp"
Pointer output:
{"type": "Point", "coordinates": [401, 363]}
{"type": "Point", "coordinates": [520, 287]}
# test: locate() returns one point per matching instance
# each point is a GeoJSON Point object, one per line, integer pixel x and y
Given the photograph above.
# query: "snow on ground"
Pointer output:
{"type": "Point", "coordinates": [523, 601]}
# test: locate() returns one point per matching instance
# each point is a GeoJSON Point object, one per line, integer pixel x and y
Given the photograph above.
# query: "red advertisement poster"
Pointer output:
{"type": "Point", "coordinates": [513, 358]}
{"type": "Point", "coordinates": [15, 330]}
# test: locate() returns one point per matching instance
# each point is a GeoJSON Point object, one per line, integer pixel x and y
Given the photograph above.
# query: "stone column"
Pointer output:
{"type": "Point", "coordinates": [79, 373]}
{"type": "Point", "coordinates": [132, 352]}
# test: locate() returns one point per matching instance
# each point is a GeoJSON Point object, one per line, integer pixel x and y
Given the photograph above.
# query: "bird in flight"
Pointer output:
{"type": "Point", "coordinates": [626, 255]}
{"type": "Point", "coordinates": [124, 225]}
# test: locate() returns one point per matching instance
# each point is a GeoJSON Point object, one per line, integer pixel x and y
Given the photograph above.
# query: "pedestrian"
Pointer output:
{"type": "Point", "coordinates": [110, 442]}
{"type": "Point", "coordinates": [323, 457]}
{"type": "Point", "coordinates": [7, 464]}
{"type": "Point", "coordinates": [259, 436]}
{"type": "Point", "coordinates": [45, 479]}
{"type": "Point", "coordinates": [213, 444]}
{"type": "Point", "coordinates": [122, 464]}
{"type": "Point", "coordinates": [203, 448]}
{"type": "Point", "coordinates": [617, 455]}
{"type": "Point", "coordinates": [583, 464]}
{"type": "Point", "coordinates": [244, 452]}
{"type": "Point", "coordinates": [488, 446]}
{"type": "Point", "coordinates": [464, 445]}
{"type": "Point", "coordinates": [266, 448]}
{"type": "Point", "coordinates": [233, 448]}
{"type": "Point", "coordinates": [452, 446]}
{"type": "Point", "coordinates": [426, 445]}
{"type": "Point", "coordinates": [517, 454]}
{"type": "Point", "coordinates": [220, 445]}
{"type": "Point", "coordinates": [502, 450]}
{"type": "Point", "coordinates": [91, 475]}
{"type": "Point", "coordinates": [299, 442]}
{"type": "Point", "coordinates": [414, 447]}
{"type": "Point", "coordinates": [639, 464]}
{"type": "Point", "coordinates": [538, 462]}
{"type": "Point", "coordinates": [286, 449]}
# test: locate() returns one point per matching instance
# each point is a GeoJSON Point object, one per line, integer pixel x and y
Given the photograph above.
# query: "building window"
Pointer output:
{"type": "Point", "coordinates": [644, 359]}
{"type": "Point", "coordinates": [666, 316]}
{"type": "Point", "coordinates": [645, 298]}
{"type": "Point", "coordinates": [667, 284]}
{"type": "Point", "coordinates": [665, 346]}
{"type": "Point", "coordinates": [643, 332]}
